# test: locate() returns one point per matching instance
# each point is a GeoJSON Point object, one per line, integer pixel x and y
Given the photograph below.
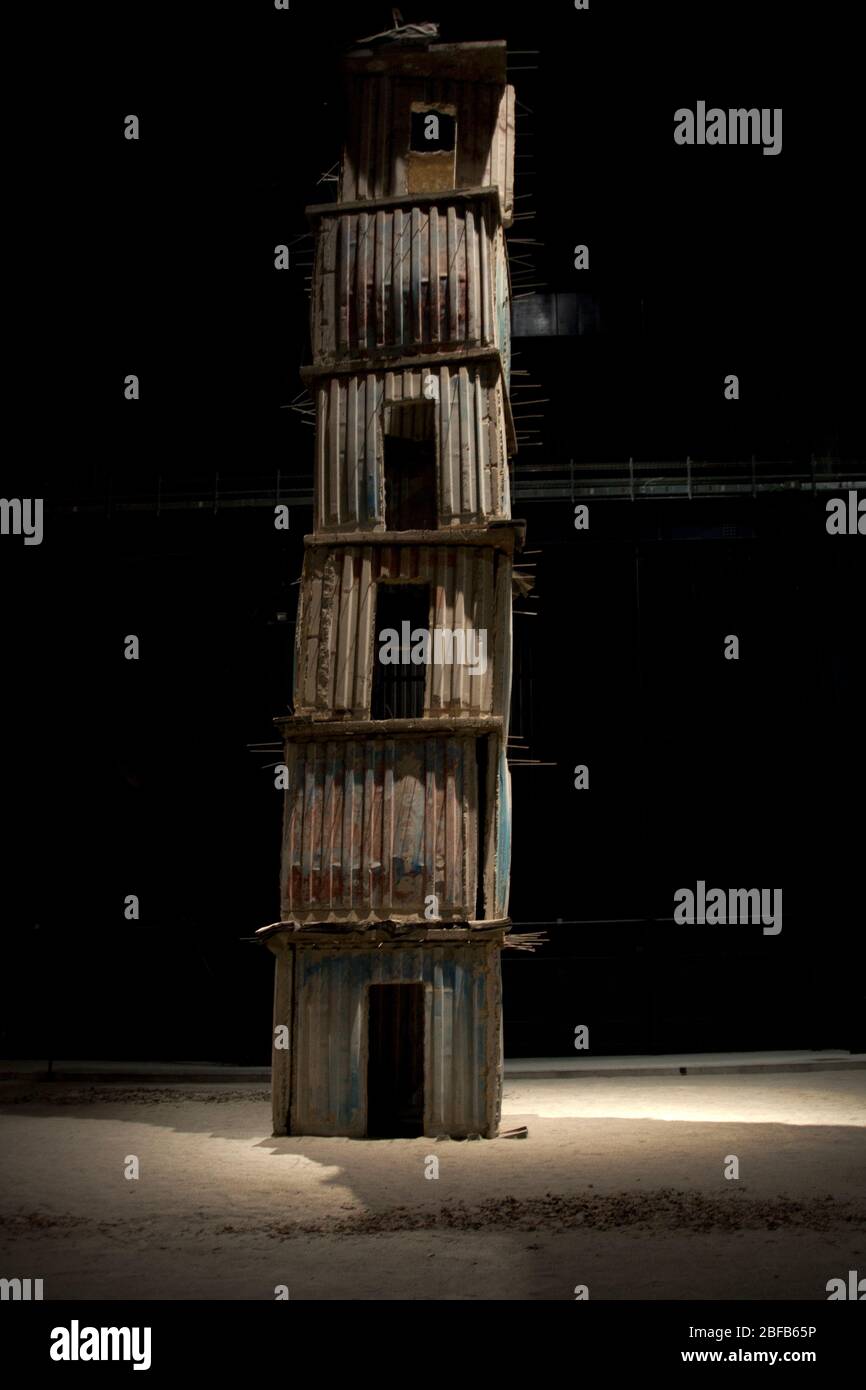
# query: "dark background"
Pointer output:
{"type": "Point", "coordinates": [156, 257]}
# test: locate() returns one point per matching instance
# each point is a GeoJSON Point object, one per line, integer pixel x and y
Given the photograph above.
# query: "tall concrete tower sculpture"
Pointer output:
{"type": "Point", "coordinates": [396, 846]}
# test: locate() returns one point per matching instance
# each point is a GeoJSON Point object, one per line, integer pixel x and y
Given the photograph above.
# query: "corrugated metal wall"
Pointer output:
{"type": "Point", "coordinates": [375, 159]}
{"type": "Point", "coordinates": [502, 861]}
{"type": "Point", "coordinates": [376, 825]}
{"type": "Point", "coordinates": [373, 827]}
{"type": "Point", "coordinates": [471, 445]}
{"type": "Point", "coordinates": [502, 295]}
{"type": "Point", "coordinates": [427, 275]}
{"type": "Point", "coordinates": [462, 1035]}
{"type": "Point", "coordinates": [336, 649]}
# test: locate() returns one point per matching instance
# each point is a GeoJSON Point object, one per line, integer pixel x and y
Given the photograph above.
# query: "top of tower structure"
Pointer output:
{"type": "Point", "coordinates": [425, 117]}
{"type": "Point", "coordinates": [414, 50]}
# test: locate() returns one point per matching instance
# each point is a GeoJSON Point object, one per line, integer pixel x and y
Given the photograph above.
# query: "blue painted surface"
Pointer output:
{"type": "Point", "coordinates": [503, 837]}
{"type": "Point", "coordinates": [503, 310]}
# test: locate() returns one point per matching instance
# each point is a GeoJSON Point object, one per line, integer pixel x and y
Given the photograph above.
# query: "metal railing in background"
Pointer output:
{"type": "Point", "coordinates": [629, 479]}
{"type": "Point", "coordinates": [632, 479]}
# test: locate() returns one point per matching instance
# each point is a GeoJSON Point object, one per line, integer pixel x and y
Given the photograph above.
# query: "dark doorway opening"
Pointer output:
{"type": "Point", "coordinates": [395, 1065]}
{"type": "Point", "coordinates": [398, 687]}
{"type": "Point", "coordinates": [410, 467]}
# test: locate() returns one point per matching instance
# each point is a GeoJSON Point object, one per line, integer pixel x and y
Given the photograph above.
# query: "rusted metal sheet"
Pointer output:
{"type": "Point", "coordinates": [462, 1036]}
{"type": "Point", "coordinates": [483, 60]}
{"type": "Point", "coordinates": [336, 647]}
{"type": "Point", "coordinates": [376, 154]}
{"type": "Point", "coordinates": [502, 300]}
{"type": "Point", "coordinates": [471, 445]}
{"type": "Point", "coordinates": [424, 276]}
{"type": "Point", "coordinates": [373, 828]}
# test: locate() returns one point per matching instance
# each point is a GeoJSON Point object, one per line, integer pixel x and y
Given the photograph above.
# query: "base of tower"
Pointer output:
{"type": "Point", "coordinates": [387, 1031]}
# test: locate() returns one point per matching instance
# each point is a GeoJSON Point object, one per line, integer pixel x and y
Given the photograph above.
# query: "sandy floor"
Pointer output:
{"type": "Point", "coordinates": [620, 1186]}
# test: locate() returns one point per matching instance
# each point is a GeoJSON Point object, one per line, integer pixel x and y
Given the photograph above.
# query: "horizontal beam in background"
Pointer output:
{"type": "Point", "coordinates": [587, 480]}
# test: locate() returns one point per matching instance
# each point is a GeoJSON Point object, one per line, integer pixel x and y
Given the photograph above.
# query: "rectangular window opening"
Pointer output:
{"type": "Point", "coordinates": [433, 130]}
{"type": "Point", "coordinates": [409, 444]}
{"type": "Point", "coordinates": [431, 160]}
{"type": "Point", "coordinates": [399, 687]}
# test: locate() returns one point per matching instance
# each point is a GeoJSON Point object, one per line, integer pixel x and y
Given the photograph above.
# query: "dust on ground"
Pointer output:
{"type": "Point", "coordinates": [620, 1186]}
